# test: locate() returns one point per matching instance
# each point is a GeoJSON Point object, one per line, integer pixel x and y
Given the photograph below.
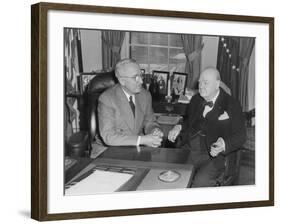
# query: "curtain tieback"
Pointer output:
{"type": "Point", "coordinates": [195, 54]}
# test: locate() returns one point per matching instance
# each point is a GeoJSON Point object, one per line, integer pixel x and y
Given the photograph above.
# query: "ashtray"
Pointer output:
{"type": "Point", "coordinates": [169, 176]}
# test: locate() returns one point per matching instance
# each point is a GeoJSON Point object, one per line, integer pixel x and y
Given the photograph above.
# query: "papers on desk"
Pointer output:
{"type": "Point", "coordinates": [99, 182]}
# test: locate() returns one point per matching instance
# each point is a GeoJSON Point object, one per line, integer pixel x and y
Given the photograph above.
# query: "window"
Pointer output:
{"type": "Point", "coordinates": [156, 51]}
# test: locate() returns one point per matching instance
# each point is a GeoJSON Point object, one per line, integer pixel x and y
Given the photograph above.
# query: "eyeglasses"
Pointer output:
{"type": "Point", "coordinates": [136, 77]}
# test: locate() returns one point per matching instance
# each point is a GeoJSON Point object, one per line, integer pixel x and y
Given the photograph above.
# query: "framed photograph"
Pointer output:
{"type": "Point", "coordinates": [161, 78]}
{"type": "Point", "coordinates": [85, 79]}
{"type": "Point", "coordinates": [146, 78]}
{"type": "Point", "coordinates": [142, 71]}
{"type": "Point", "coordinates": [178, 83]}
{"type": "Point", "coordinates": [145, 180]}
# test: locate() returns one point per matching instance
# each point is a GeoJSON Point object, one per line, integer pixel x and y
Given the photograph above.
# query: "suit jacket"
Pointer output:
{"type": "Point", "coordinates": [117, 124]}
{"type": "Point", "coordinates": [232, 129]}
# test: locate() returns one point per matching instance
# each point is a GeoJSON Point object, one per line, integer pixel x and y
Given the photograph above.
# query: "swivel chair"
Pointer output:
{"type": "Point", "coordinates": [94, 89]}
{"type": "Point", "coordinates": [80, 143]}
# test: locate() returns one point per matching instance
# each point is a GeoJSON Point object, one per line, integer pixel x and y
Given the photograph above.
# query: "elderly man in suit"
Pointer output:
{"type": "Point", "coordinates": [125, 111]}
{"type": "Point", "coordinates": [214, 129]}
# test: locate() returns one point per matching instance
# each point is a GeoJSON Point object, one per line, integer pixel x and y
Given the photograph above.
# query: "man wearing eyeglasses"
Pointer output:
{"type": "Point", "coordinates": [125, 111]}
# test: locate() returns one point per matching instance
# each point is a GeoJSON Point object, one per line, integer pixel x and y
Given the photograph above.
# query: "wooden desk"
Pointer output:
{"type": "Point", "coordinates": [176, 108]}
{"type": "Point", "coordinates": [144, 161]}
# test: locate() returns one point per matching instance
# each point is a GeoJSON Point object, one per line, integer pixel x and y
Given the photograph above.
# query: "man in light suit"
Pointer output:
{"type": "Point", "coordinates": [125, 111]}
{"type": "Point", "coordinates": [214, 130]}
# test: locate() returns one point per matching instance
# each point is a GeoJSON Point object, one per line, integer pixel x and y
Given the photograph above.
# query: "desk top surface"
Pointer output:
{"type": "Point", "coordinates": [145, 161]}
{"type": "Point", "coordinates": [147, 154]}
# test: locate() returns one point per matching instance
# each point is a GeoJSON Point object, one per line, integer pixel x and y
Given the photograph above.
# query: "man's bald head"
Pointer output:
{"type": "Point", "coordinates": [212, 72]}
{"type": "Point", "coordinates": [209, 83]}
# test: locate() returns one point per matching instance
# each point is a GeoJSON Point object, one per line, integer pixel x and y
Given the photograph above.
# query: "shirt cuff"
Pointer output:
{"type": "Point", "coordinates": [138, 141]}
{"type": "Point", "coordinates": [179, 127]}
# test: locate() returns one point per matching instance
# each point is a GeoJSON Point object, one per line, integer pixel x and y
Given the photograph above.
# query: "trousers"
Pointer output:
{"type": "Point", "coordinates": [206, 171]}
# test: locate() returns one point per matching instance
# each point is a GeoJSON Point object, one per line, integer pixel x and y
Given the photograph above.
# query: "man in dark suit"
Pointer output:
{"type": "Point", "coordinates": [214, 129]}
{"type": "Point", "coordinates": [125, 111]}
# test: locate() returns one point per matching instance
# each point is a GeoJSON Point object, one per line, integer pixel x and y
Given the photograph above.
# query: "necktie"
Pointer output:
{"type": "Point", "coordinates": [208, 103]}
{"type": "Point", "coordinates": [132, 105]}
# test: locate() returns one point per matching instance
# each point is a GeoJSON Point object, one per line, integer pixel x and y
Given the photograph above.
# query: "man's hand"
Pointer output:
{"type": "Point", "coordinates": [173, 134]}
{"type": "Point", "coordinates": [151, 140]}
{"type": "Point", "coordinates": [157, 132]}
{"type": "Point", "coordinates": [217, 147]}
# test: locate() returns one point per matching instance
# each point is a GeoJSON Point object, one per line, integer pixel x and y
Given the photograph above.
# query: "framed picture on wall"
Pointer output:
{"type": "Point", "coordinates": [161, 176]}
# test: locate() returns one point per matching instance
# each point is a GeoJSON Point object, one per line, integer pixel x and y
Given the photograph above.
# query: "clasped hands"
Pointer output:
{"type": "Point", "coordinates": [216, 147]}
{"type": "Point", "coordinates": [153, 139]}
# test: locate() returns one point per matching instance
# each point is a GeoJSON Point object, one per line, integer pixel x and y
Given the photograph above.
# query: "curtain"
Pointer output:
{"type": "Point", "coordinates": [228, 63]}
{"type": "Point", "coordinates": [192, 46]}
{"type": "Point", "coordinates": [71, 72]}
{"type": "Point", "coordinates": [245, 51]}
{"type": "Point", "coordinates": [111, 48]}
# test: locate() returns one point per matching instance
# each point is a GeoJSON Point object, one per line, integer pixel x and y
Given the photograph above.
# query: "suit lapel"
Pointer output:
{"type": "Point", "coordinates": [139, 113]}
{"type": "Point", "coordinates": [218, 107]}
{"type": "Point", "coordinates": [125, 109]}
{"type": "Point", "coordinates": [199, 109]}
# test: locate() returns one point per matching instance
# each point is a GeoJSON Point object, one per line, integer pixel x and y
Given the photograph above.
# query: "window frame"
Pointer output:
{"type": "Point", "coordinates": [149, 46]}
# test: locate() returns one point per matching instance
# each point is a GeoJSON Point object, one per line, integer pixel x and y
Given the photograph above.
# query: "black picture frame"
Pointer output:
{"type": "Point", "coordinates": [178, 83]}
{"type": "Point", "coordinates": [142, 71]}
{"type": "Point", "coordinates": [39, 110]}
{"type": "Point", "coordinates": [161, 77]}
{"type": "Point", "coordinates": [85, 78]}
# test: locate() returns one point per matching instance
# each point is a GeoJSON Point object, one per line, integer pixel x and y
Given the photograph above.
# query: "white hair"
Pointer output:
{"type": "Point", "coordinates": [119, 67]}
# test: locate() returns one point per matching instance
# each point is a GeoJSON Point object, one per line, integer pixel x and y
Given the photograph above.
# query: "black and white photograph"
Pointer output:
{"type": "Point", "coordinates": [178, 83]}
{"type": "Point", "coordinates": [119, 142]}
{"type": "Point", "coordinates": [142, 71]}
{"type": "Point", "coordinates": [161, 79]}
{"type": "Point", "coordinates": [85, 78]}
{"type": "Point", "coordinates": [122, 137]}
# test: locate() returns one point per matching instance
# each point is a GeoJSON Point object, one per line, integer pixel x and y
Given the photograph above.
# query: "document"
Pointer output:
{"type": "Point", "coordinates": [99, 182]}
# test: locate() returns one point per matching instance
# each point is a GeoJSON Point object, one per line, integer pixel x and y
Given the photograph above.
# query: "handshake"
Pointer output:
{"type": "Point", "coordinates": [155, 138]}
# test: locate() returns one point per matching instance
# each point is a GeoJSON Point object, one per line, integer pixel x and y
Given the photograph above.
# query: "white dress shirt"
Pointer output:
{"type": "Point", "coordinates": [134, 101]}
{"type": "Point", "coordinates": [128, 96]}
{"type": "Point", "coordinates": [207, 108]}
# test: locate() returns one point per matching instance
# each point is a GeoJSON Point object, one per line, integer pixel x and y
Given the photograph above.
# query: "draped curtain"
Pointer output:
{"type": "Point", "coordinates": [111, 48]}
{"type": "Point", "coordinates": [228, 63]}
{"type": "Point", "coordinates": [192, 46]}
{"type": "Point", "coordinates": [245, 51]}
{"type": "Point", "coordinates": [71, 72]}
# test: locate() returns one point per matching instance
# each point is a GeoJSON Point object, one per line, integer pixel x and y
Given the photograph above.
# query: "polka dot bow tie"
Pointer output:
{"type": "Point", "coordinates": [208, 103]}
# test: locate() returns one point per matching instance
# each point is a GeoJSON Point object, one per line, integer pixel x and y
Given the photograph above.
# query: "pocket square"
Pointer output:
{"type": "Point", "coordinates": [223, 116]}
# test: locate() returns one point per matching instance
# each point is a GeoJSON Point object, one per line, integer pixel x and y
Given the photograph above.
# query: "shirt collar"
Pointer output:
{"type": "Point", "coordinates": [215, 97]}
{"type": "Point", "coordinates": [128, 95]}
